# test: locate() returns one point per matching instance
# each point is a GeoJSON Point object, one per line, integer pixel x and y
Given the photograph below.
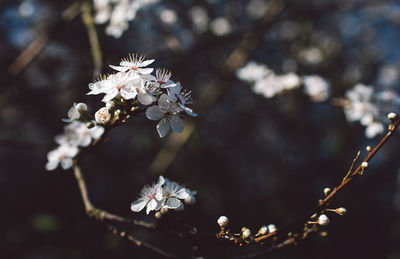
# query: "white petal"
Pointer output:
{"type": "Point", "coordinates": [111, 94]}
{"type": "Point", "coordinates": [138, 205]}
{"type": "Point", "coordinates": [154, 113]}
{"type": "Point", "coordinates": [182, 194]}
{"type": "Point", "coordinates": [176, 124]}
{"type": "Point", "coordinates": [151, 206]}
{"type": "Point", "coordinates": [127, 93]}
{"type": "Point", "coordinates": [85, 141]}
{"type": "Point", "coordinates": [188, 110]}
{"type": "Point", "coordinates": [119, 68]}
{"type": "Point", "coordinates": [96, 132]}
{"type": "Point", "coordinates": [145, 98]}
{"type": "Point", "coordinates": [51, 165]}
{"type": "Point", "coordinates": [163, 102]}
{"type": "Point", "coordinates": [66, 163]}
{"type": "Point", "coordinates": [145, 71]}
{"type": "Point", "coordinates": [146, 63]}
{"type": "Point", "coordinates": [163, 127]}
{"type": "Point", "coordinates": [173, 203]}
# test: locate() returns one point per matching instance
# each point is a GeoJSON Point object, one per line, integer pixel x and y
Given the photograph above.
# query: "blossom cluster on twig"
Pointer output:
{"type": "Point", "coordinates": [132, 88]}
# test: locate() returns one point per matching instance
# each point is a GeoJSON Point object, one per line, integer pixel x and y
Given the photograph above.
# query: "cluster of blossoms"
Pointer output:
{"type": "Point", "coordinates": [269, 84]}
{"type": "Point", "coordinates": [76, 135]}
{"type": "Point", "coordinates": [163, 196]}
{"type": "Point", "coordinates": [369, 108]}
{"type": "Point", "coordinates": [131, 89]}
{"type": "Point", "coordinates": [118, 13]}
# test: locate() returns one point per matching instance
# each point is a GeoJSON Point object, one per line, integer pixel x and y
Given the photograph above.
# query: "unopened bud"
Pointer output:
{"type": "Point", "coordinates": [246, 233]}
{"type": "Point", "coordinates": [364, 165]}
{"type": "Point", "coordinates": [369, 148]}
{"type": "Point", "coordinates": [272, 228]}
{"type": "Point", "coordinates": [392, 116]}
{"type": "Point", "coordinates": [263, 230]}
{"type": "Point", "coordinates": [223, 221]}
{"type": "Point", "coordinates": [323, 220]}
{"type": "Point", "coordinates": [110, 104]}
{"type": "Point", "coordinates": [327, 191]}
{"type": "Point", "coordinates": [341, 211]}
{"type": "Point", "coordinates": [90, 125]}
{"type": "Point", "coordinates": [102, 116]}
{"type": "Point", "coordinates": [191, 200]}
{"type": "Point", "coordinates": [164, 210]}
{"type": "Point", "coordinates": [158, 215]}
{"type": "Point", "coordinates": [81, 107]}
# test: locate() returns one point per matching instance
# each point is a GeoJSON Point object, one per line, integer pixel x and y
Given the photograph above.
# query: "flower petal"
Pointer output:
{"type": "Point", "coordinates": [163, 127]}
{"type": "Point", "coordinates": [154, 113]}
{"type": "Point", "coordinates": [183, 193]}
{"type": "Point", "coordinates": [145, 71]}
{"type": "Point", "coordinates": [176, 124]}
{"type": "Point", "coordinates": [138, 205]}
{"type": "Point", "coordinates": [146, 63]}
{"type": "Point", "coordinates": [163, 102]}
{"type": "Point", "coordinates": [119, 68]}
{"type": "Point", "coordinates": [173, 203]}
{"type": "Point", "coordinates": [111, 94]}
{"type": "Point", "coordinates": [151, 206]}
{"type": "Point", "coordinates": [145, 98]}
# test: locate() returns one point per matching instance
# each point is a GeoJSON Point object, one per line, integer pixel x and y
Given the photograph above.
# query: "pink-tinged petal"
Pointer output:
{"type": "Point", "coordinates": [146, 63]}
{"type": "Point", "coordinates": [163, 102]}
{"type": "Point", "coordinates": [154, 113]}
{"type": "Point", "coordinates": [138, 205]}
{"type": "Point", "coordinates": [145, 71]}
{"type": "Point", "coordinates": [163, 127]}
{"type": "Point", "coordinates": [119, 68]}
{"type": "Point", "coordinates": [176, 124]}
{"type": "Point", "coordinates": [151, 206]}
{"type": "Point", "coordinates": [173, 203]}
{"type": "Point", "coordinates": [145, 98]}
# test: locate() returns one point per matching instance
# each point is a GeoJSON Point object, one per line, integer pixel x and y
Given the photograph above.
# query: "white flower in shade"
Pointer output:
{"type": "Point", "coordinates": [150, 197]}
{"type": "Point", "coordinates": [119, 84]}
{"type": "Point", "coordinates": [147, 94]}
{"type": "Point", "coordinates": [167, 113]}
{"type": "Point", "coordinates": [103, 115]}
{"type": "Point", "coordinates": [172, 193]}
{"type": "Point", "coordinates": [78, 134]}
{"type": "Point", "coordinates": [63, 155]}
{"type": "Point", "coordinates": [74, 113]}
{"type": "Point", "coordinates": [162, 79]}
{"type": "Point", "coordinates": [134, 63]}
{"type": "Point", "coordinates": [182, 98]}
{"type": "Point", "coordinates": [316, 87]}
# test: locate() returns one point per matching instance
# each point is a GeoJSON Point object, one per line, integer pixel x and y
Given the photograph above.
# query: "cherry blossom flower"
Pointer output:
{"type": "Point", "coordinates": [121, 83]}
{"type": "Point", "coordinates": [134, 63]}
{"type": "Point", "coordinates": [147, 94]}
{"type": "Point", "coordinates": [74, 113]}
{"type": "Point", "coordinates": [182, 98]}
{"type": "Point", "coordinates": [78, 134]}
{"type": "Point", "coordinates": [150, 197]}
{"type": "Point", "coordinates": [172, 193]}
{"type": "Point", "coordinates": [162, 79]}
{"type": "Point", "coordinates": [167, 113]}
{"type": "Point", "coordinates": [316, 87]}
{"type": "Point", "coordinates": [63, 155]}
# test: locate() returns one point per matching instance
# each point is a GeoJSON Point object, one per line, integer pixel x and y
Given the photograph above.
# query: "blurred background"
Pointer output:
{"type": "Point", "coordinates": [256, 160]}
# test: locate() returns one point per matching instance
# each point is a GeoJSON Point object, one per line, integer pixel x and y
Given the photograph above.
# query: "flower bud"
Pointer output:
{"type": "Point", "coordinates": [369, 148]}
{"type": "Point", "coordinates": [164, 210]}
{"type": "Point", "coordinates": [246, 233]}
{"type": "Point", "coordinates": [392, 116]}
{"type": "Point", "coordinates": [341, 211]}
{"type": "Point", "coordinates": [223, 221]}
{"type": "Point", "coordinates": [272, 228]}
{"type": "Point", "coordinates": [191, 200]}
{"type": "Point", "coordinates": [327, 191]}
{"type": "Point", "coordinates": [323, 220]}
{"type": "Point", "coordinates": [364, 165]}
{"type": "Point", "coordinates": [110, 104]}
{"type": "Point", "coordinates": [81, 107]}
{"type": "Point", "coordinates": [263, 230]}
{"type": "Point", "coordinates": [103, 115]}
{"type": "Point", "coordinates": [158, 215]}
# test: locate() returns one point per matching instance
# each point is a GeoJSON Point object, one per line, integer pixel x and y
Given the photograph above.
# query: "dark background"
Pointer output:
{"type": "Point", "coordinates": [256, 160]}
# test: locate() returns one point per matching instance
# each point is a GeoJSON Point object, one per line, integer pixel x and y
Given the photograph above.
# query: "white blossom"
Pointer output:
{"type": "Point", "coordinates": [150, 197]}
{"type": "Point", "coordinates": [134, 63]}
{"type": "Point", "coordinates": [323, 220]}
{"type": "Point", "coordinates": [63, 155]}
{"type": "Point", "coordinates": [167, 113]}
{"type": "Point", "coordinates": [119, 84]}
{"type": "Point", "coordinates": [103, 115]}
{"type": "Point", "coordinates": [316, 87]}
{"type": "Point", "coordinates": [74, 113]}
{"type": "Point", "coordinates": [182, 98]}
{"type": "Point", "coordinates": [147, 94]}
{"type": "Point", "coordinates": [172, 193]}
{"type": "Point", "coordinates": [162, 79]}
{"type": "Point", "coordinates": [253, 71]}
{"type": "Point", "coordinates": [77, 133]}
